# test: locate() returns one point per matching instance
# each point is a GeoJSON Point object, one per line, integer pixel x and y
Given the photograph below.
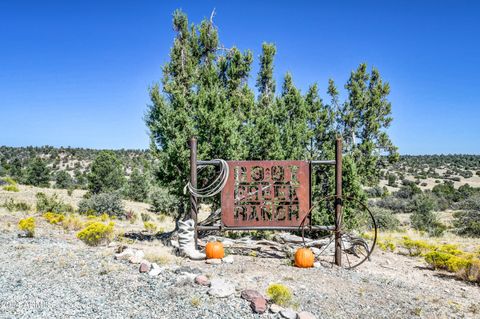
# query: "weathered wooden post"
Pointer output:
{"type": "Point", "coordinates": [338, 201]}
{"type": "Point", "coordinates": [193, 182]}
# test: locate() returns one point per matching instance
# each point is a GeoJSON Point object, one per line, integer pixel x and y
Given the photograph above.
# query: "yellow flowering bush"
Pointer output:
{"type": "Point", "coordinates": [96, 233]}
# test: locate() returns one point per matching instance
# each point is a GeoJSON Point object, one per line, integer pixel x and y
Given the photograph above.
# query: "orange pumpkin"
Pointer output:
{"type": "Point", "coordinates": [304, 258]}
{"type": "Point", "coordinates": [214, 249]}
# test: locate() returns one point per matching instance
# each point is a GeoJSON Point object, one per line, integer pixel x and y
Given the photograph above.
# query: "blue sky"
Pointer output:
{"type": "Point", "coordinates": [76, 73]}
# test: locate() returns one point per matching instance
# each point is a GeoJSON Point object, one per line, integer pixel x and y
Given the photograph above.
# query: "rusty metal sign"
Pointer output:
{"type": "Point", "coordinates": [266, 193]}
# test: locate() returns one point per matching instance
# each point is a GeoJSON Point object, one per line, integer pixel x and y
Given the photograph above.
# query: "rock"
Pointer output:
{"type": "Point", "coordinates": [259, 304]}
{"type": "Point", "coordinates": [125, 254]}
{"type": "Point", "coordinates": [274, 308]}
{"type": "Point", "coordinates": [137, 257]}
{"type": "Point", "coordinates": [317, 264]}
{"type": "Point", "coordinates": [145, 266]}
{"type": "Point", "coordinates": [250, 294]}
{"type": "Point", "coordinates": [202, 280]}
{"type": "Point", "coordinates": [189, 276]}
{"type": "Point", "coordinates": [220, 288]}
{"type": "Point", "coordinates": [213, 261]}
{"type": "Point", "coordinates": [156, 270]}
{"type": "Point", "coordinates": [186, 269]}
{"type": "Point", "coordinates": [305, 315]}
{"type": "Point", "coordinates": [228, 259]}
{"type": "Point", "coordinates": [288, 314]}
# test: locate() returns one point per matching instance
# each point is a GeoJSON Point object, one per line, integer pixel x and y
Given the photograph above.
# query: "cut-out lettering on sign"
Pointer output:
{"type": "Point", "coordinates": [266, 193]}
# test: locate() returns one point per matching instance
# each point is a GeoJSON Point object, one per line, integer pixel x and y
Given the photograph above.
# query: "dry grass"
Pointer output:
{"type": "Point", "coordinates": [27, 195]}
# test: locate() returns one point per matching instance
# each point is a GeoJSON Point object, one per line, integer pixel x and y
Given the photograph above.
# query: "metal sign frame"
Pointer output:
{"type": "Point", "coordinates": [227, 221]}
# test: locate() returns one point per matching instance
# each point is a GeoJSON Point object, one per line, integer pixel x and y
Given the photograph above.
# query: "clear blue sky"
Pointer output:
{"type": "Point", "coordinates": [76, 72]}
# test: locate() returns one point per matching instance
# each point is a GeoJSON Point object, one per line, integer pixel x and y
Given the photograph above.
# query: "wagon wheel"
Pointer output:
{"type": "Point", "coordinates": [358, 235]}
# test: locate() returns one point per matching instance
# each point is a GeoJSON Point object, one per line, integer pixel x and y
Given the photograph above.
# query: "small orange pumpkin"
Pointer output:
{"type": "Point", "coordinates": [304, 258]}
{"type": "Point", "coordinates": [214, 249]}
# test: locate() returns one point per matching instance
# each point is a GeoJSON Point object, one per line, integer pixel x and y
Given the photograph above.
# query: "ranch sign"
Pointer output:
{"type": "Point", "coordinates": [266, 193]}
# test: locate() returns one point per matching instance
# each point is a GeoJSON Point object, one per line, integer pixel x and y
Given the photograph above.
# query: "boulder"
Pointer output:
{"type": "Point", "coordinates": [220, 288]}
{"type": "Point", "coordinates": [202, 280]}
{"type": "Point", "coordinates": [250, 294]}
{"type": "Point", "coordinates": [213, 261]}
{"type": "Point", "coordinates": [288, 314]}
{"type": "Point", "coordinates": [305, 315]}
{"type": "Point", "coordinates": [228, 259]}
{"type": "Point", "coordinates": [274, 308]}
{"type": "Point", "coordinates": [156, 270]}
{"type": "Point", "coordinates": [259, 304]}
{"type": "Point", "coordinates": [145, 266]}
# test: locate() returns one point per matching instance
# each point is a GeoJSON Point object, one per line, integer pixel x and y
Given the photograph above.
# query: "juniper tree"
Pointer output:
{"type": "Point", "coordinates": [200, 95]}
{"type": "Point", "coordinates": [106, 174]}
{"type": "Point", "coordinates": [38, 174]}
{"type": "Point", "coordinates": [363, 120]}
{"type": "Point", "coordinates": [204, 92]}
{"type": "Point", "coordinates": [264, 138]}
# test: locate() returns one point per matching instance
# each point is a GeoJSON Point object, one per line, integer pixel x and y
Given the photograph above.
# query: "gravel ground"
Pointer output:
{"type": "Point", "coordinates": [54, 275]}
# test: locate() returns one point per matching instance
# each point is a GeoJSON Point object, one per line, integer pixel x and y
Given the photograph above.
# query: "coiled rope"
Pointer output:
{"type": "Point", "coordinates": [215, 186]}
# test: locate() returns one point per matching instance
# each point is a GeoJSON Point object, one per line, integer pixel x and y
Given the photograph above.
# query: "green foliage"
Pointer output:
{"type": "Point", "coordinates": [423, 218]}
{"type": "Point", "coordinates": [385, 219]}
{"type": "Point", "coordinates": [96, 233]}
{"type": "Point", "coordinates": [467, 223]}
{"type": "Point", "coordinates": [204, 92]}
{"type": "Point", "coordinates": [11, 185]}
{"type": "Point", "coordinates": [163, 201]}
{"type": "Point", "coordinates": [104, 203]}
{"type": "Point", "coordinates": [392, 179]}
{"type": "Point", "coordinates": [279, 294]}
{"type": "Point", "coordinates": [363, 120]}
{"type": "Point", "coordinates": [138, 186]}
{"type": "Point", "coordinates": [11, 188]}
{"type": "Point", "coordinates": [38, 174]}
{"type": "Point", "coordinates": [106, 173]}
{"type": "Point", "coordinates": [150, 226]}
{"type": "Point", "coordinates": [63, 180]}
{"type": "Point", "coordinates": [52, 203]}
{"type": "Point", "coordinates": [27, 225]}
{"type": "Point", "coordinates": [53, 218]}
{"type": "Point", "coordinates": [12, 206]}
{"type": "Point", "coordinates": [416, 247]}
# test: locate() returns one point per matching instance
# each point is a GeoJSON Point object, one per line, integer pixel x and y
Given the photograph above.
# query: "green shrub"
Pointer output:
{"type": "Point", "coordinates": [137, 186]}
{"type": "Point", "coordinates": [423, 218]}
{"type": "Point", "coordinates": [12, 206]}
{"type": "Point", "coordinates": [416, 247]}
{"type": "Point", "coordinates": [104, 203]}
{"type": "Point", "coordinates": [106, 173]}
{"type": "Point", "coordinates": [385, 218]}
{"type": "Point", "coordinates": [150, 227]}
{"type": "Point", "coordinates": [27, 225]}
{"type": "Point", "coordinates": [63, 180]}
{"type": "Point", "coordinates": [11, 188]}
{"type": "Point", "coordinates": [96, 233]}
{"type": "Point", "coordinates": [467, 223]}
{"type": "Point", "coordinates": [38, 174]}
{"type": "Point", "coordinates": [52, 203]}
{"type": "Point", "coordinates": [394, 204]}
{"type": "Point", "coordinates": [53, 218]}
{"type": "Point", "coordinates": [163, 202]}
{"type": "Point", "coordinates": [279, 294]}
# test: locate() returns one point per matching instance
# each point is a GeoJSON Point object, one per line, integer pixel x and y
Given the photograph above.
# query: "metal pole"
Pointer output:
{"type": "Point", "coordinates": [338, 201]}
{"type": "Point", "coordinates": [193, 181]}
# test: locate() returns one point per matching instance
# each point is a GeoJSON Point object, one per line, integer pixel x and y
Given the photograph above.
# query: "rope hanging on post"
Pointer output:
{"type": "Point", "coordinates": [215, 186]}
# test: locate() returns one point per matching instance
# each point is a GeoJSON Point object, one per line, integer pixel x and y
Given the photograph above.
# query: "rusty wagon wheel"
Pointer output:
{"type": "Point", "coordinates": [358, 235]}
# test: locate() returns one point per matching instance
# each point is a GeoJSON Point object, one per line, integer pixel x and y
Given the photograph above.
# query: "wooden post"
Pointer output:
{"type": "Point", "coordinates": [193, 182]}
{"type": "Point", "coordinates": [338, 201]}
